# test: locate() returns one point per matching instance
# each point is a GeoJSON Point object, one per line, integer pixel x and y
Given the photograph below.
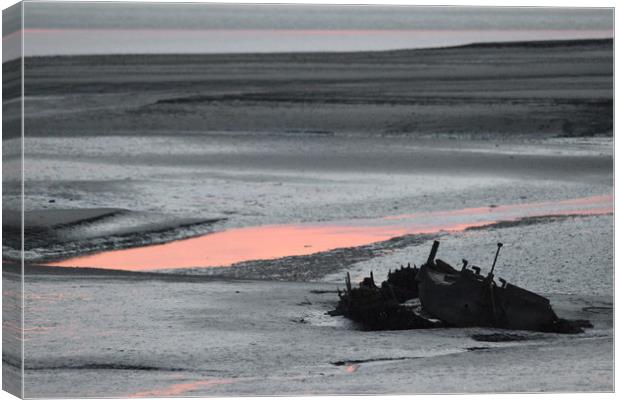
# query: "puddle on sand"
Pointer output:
{"type": "Point", "coordinates": [352, 368]}
{"type": "Point", "coordinates": [275, 241]}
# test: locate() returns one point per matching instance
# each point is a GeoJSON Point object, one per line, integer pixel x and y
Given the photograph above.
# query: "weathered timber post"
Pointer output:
{"type": "Point", "coordinates": [431, 257]}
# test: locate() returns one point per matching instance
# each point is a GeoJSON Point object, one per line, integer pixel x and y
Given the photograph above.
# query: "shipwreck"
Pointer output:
{"type": "Point", "coordinates": [380, 308]}
{"type": "Point", "coordinates": [449, 297]}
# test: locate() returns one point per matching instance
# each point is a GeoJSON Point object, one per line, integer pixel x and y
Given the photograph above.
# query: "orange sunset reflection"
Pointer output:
{"type": "Point", "coordinates": [236, 245]}
{"type": "Point", "coordinates": [179, 389]}
{"type": "Point", "coordinates": [275, 241]}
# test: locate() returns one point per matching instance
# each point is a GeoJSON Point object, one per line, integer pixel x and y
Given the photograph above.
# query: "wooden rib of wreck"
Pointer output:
{"type": "Point", "coordinates": [377, 308]}
{"type": "Point", "coordinates": [404, 283]}
{"type": "Point", "coordinates": [467, 298]}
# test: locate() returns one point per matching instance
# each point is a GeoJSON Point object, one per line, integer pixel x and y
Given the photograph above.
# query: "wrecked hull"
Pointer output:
{"type": "Point", "coordinates": [466, 299]}
{"type": "Point", "coordinates": [449, 297]}
{"type": "Point", "coordinates": [379, 308]}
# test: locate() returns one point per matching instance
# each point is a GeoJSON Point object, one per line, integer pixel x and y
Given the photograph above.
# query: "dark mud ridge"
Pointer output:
{"type": "Point", "coordinates": [55, 234]}
{"type": "Point", "coordinates": [369, 360]}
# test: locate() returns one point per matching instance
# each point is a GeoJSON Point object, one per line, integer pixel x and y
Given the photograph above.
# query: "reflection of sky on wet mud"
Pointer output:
{"type": "Point", "coordinates": [275, 241]}
{"type": "Point", "coordinates": [43, 303]}
{"type": "Point", "coordinates": [351, 368]}
{"type": "Point", "coordinates": [181, 388]}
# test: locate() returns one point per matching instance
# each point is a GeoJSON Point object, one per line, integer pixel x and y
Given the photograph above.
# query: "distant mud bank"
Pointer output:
{"type": "Point", "coordinates": [555, 88]}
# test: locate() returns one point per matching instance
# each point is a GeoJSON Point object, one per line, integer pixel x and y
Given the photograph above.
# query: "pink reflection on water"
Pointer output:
{"type": "Point", "coordinates": [236, 245]}
{"type": "Point", "coordinates": [585, 201]}
{"type": "Point", "coordinates": [274, 241]}
{"type": "Point", "coordinates": [181, 388]}
{"type": "Point", "coordinates": [352, 368]}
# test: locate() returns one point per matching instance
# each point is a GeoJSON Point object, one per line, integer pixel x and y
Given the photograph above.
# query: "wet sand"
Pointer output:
{"type": "Point", "coordinates": [216, 183]}
{"type": "Point", "coordinates": [282, 344]}
{"type": "Point", "coordinates": [183, 340]}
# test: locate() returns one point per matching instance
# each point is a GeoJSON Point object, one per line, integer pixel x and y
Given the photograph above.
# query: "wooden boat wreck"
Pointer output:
{"type": "Point", "coordinates": [404, 283]}
{"type": "Point", "coordinates": [467, 298]}
{"type": "Point", "coordinates": [378, 308]}
{"type": "Point", "coordinates": [448, 297]}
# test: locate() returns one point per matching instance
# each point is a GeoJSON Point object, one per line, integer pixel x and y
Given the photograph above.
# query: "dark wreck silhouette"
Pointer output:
{"type": "Point", "coordinates": [447, 297]}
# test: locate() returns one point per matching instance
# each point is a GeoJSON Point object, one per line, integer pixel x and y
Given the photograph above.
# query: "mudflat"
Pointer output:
{"type": "Point", "coordinates": [473, 145]}
{"type": "Point", "coordinates": [555, 88]}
